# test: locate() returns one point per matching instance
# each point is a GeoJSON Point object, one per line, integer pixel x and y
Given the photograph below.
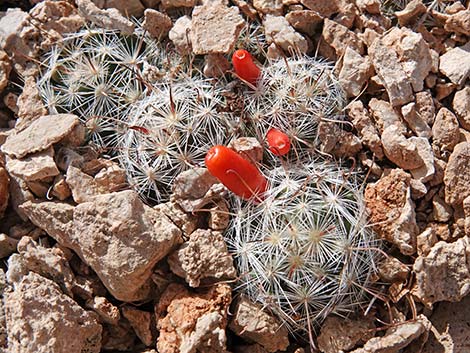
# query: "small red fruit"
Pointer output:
{"type": "Point", "coordinates": [245, 67]}
{"type": "Point", "coordinates": [237, 173]}
{"type": "Point", "coordinates": [278, 142]}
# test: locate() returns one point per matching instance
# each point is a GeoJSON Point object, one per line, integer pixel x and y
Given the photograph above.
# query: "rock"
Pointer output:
{"type": "Point", "coordinates": [441, 212]}
{"type": "Point", "coordinates": [457, 175]}
{"type": "Point", "coordinates": [426, 240]}
{"type": "Point", "coordinates": [109, 19]}
{"type": "Point", "coordinates": [30, 105]}
{"type": "Point", "coordinates": [370, 6]}
{"type": "Point", "coordinates": [443, 274]}
{"type": "Point", "coordinates": [5, 69]}
{"type": "Point", "coordinates": [3, 324]}
{"type": "Point", "coordinates": [400, 150]}
{"type": "Point", "coordinates": [304, 21]}
{"type": "Point", "coordinates": [449, 332]}
{"type": "Point", "coordinates": [203, 258]}
{"type": "Point", "coordinates": [157, 24]}
{"type": "Point", "coordinates": [355, 72]}
{"type": "Point", "coordinates": [170, 4]}
{"type": "Point", "coordinates": [187, 222]}
{"type": "Point", "coordinates": [444, 89]}
{"type": "Point", "coordinates": [247, 9]}
{"type": "Point", "coordinates": [347, 15]}
{"type": "Point", "coordinates": [455, 64]}
{"type": "Point", "coordinates": [445, 130]}
{"type": "Point", "coordinates": [107, 312]}
{"type": "Point", "coordinates": [36, 304]}
{"type": "Point", "coordinates": [128, 8]}
{"type": "Point", "coordinates": [118, 337]}
{"type": "Point", "coordinates": [111, 178]}
{"type": "Point", "coordinates": [459, 22]}
{"type": "Point", "coordinates": [410, 13]}
{"type": "Point", "coordinates": [466, 209]}
{"type": "Point", "coordinates": [141, 322]}
{"type": "Point", "coordinates": [219, 216]}
{"type": "Point", "coordinates": [252, 323]}
{"type": "Point", "coordinates": [398, 337]}
{"type": "Point", "coordinates": [279, 32]}
{"type": "Point", "coordinates": [83, 187]}
{"type": "Point", "coordinates": [215, 28]}
{"type": "Point", "coordinates": [340, 38]}
{"type": "Point", "coordinates": [337, 141]}
{"type": "Point", "coordinates": [424, 149]}
{"type": "Point", "coordinates": [191, 322]}
{"type": "Point", "coordinates": [216, 65]}
{"type": "Point", "coordinates": [392, 210]}
{"type": "Point", "coordinates": [362, 121]}
{"type": "Point", "coordinates": [425, 107]}
{"type": "Point", "coordinates": [272, 7]}
{"type": "Point", "coordinates": [40, 135]}
{"type": "Point", "coordinates": [384, 115]}
{"type": "Point", "coordinates": [323, 8]}
{"type": "Point", "coordinates": [461, 105]}
{"type": "Point", "coordinates": [342, 334]}
{"type": "Point", "coordinates": [415, 121]}
{"type": "Point", "coordinates": [180, 35]}
{"type": "Point", "coordinates": [249, 147]}
{"type": "Point", "coordinates": [11, 24]}
{"type": "Point", "coordinates": [36, 166]}
{"type": "Point", "coordinates": [4, 191]}
{"type": "Point", "coordinates": [393, 270]}
{"type": "Point", "coordinates": [7, 246]}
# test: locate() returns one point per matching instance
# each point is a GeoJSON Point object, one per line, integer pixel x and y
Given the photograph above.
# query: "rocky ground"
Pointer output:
{"type": "Point", "coordinates": [72, 280]}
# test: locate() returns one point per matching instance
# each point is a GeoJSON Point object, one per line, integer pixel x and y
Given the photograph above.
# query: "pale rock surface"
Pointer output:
{"type": "Point", "coordinates": [461, 105]}
{"type": "Point", "coordinates": [410, 13]}
{"type": "Point", "coordinates": [219, 216]}
{"type": "Point", "coordinates": [355, 72]}
{"type": "Point", "coordinates": [400, 150]}
{"type": "Point", "coordinates": [342, 334]}
{"type": "Point", "coordinates": [126, 7]}
{"type": "Point", "coordinates": [5, 69]}
{"type": "Point", "coordinates": [424, 149]}
{"type": "Point", "coordinates": [466, 209]}
{"type": "Point", "coordinates": [203, 258]}
{"type": "Point", "coordinates": [425, 107]}
{"type": "Point", "coordinates": [272, 7]}
{"type": "Point", "coordinates": [248, 147]}
{"type": "Point", "coordinates": [457, 174]}
{"type": "Point", "coordinates": [4, 190]}
{"type": "Point", "coordinates": [370, 6]}
{"type": "Point", "coordinates": [459, 22]}
{"type": "Point", "coordinates": [445, 130]}
{"type": "Point", "coordinates": [83, 187]}
{"type": "Point", "coordinates": [441, 211]}
{"type": "Point", "coordinates": [141, 322]}
{"type": "Point", "coordinates": [30, 105]}
{"type": "Point", "coordinates": [180, 35]}
{"type": "Point", "coordinates": [340, 37]}
{"type": "Point", "coordinates": [455, 64]}
{"type": "Point", "coordinates": [157, 24]}
{"type": "Point", "coordinates": [250, 322]}
{"type": "Point", "coordinates": [33, 167]}
{"type": "Point", "coordinates": [170, 4]}
{"type": "Point", "coordinates": [391, 208]}
{"type": "Point", "coordinates": [323, 8]}
{"type": "Point", "coordinates": [415, 121]}
{"type": "Point", "coordinates": [111, 177]}
{"type": "Point", "coordinates": [10, 25]}
{"type": "Point", "coordinates": [187, 222]}
{"type": "Point", "coordinates": [216, 65]}
{"type": "Point", "coordinates": [7, 245]}
{"type": "Point", "coordinates": [384, 115]}
{"type": "Point", "coordinates": [304, 21]}
{"type": "Point", "coordinates": [339, 142]}
{"type": "Point", "coordinates": [190, 322]}
{"type": "Point", "coordinates": [426, 240]}
{"type": "Point", "coordinates": [40, 135]}
{"type": "Point", "coordinates": [110, 18]}
{"type": "Point", "coordinates": [107, 312]}
{"type": "Point", "coordinates": [36, 305]}
{"type": "Point", "coordinates": [392, 270]}
{"type": "Point", "coordinates": [443, 274]}
{"type": "Point", "coordinates": [279, 32]}
{"type": "Point", "coordinates": [215, 28]}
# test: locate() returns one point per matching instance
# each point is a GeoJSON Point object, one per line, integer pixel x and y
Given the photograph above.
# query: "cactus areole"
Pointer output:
{"type": "Point", "coordinates": [245, 67]}
{"type": "Point", "coordinates": [238, 174]}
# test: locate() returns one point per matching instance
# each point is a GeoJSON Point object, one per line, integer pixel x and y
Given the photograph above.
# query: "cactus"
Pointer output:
{"type": "Point", "coordinates": [253, 40]}
{"type": "Point", "coordinates": [305, 251]}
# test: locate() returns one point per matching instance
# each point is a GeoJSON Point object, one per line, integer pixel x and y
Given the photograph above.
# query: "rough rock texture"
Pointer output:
{"type": "Point", "coordinates": [203, 257]}
{"type": "Point", "coordinates": [392, 270]}
{"type": "Point", "coordinates": [400, 150]}
{"type": "Point", "coordinates": [215, 65]}
{"type": "Point", "coordinates": [445, 130]}
{"type": "Point", "coordinates": [180, 35]}
{"type": "Point", "coordinates": [99, 231]}
{"type": "Point", "coordinates": [340, 37]}
{"type": "Point", "coordinates": [323, 8]}
{"type": "Point", "coordinates": [415, 120]}
{"type": "Point", "coordinates": [455, 64]}
{"type": "Point", "coordinates": [40, 135]}
{"type": "Point", "coordinates": [339, 142]}
{"type": "Point", "coordinates": [7, 246]}
{"type": "Point", "coordinates": [385, 116]}
{"type": "Point", "coordinates": [273, 7]}
{"type": "Point", "coordinates": [355, 72]}
{"type": "Point", "coordinates": [169, 4]}
{"type": "Point", "coordinates": [30, 105]}
{"type": "Point", "coordinates": [36, 166]}
{"type": "Point", "coordinates": [392, 210]}
{"type": "Point", "coordinates": [427, 171]}
{"type": "Point", "coordinates": [459, 23]}
{"type": "Point", "coordinates": [304, 21]}
{"type": "Point", "coordinates": [192, 322]}
{"type": "Point", "coordinates": [141, 322]}
{"type": "Point", "coordinates": [215, 28]}
{"type": "Point", "coordinates": [126, 7]}
{"type": "Point", "coordinates": [249, 147]}
{"type": "Point", "coordinates": [109, 19]}
{"type": "Point", "coordinates": [5, 69]}
{"type": "Point", "coordinates": [341, 334]}
{"type": "Point", "coordinates": [83, 187]}
{"type": "Point", "coordinates": [157, 24]}
{"type": "Point", "coordinates": [461, 105]}
{"type": "Point", "coordinates": [250, 322]}
{"type": "Point", "coordinates": [37, 305]}
{"type": "Point", "coordinates": [443, 274]}
{"type": "Point", "coordinates": [410, 13]}
{"type": "Point", "coordinates": [457, 174]}
{"type": "Point", "coordinates": [4, 191]}
{"type": "Point", "coordinates": [107, 312]}
{"type": "Point", "coordinates": [278, 30]}
{"type": "Point", "coordinates": [185, 221]}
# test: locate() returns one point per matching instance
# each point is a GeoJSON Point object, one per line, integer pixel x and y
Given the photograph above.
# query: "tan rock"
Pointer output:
{"type": "Point", "coordinates": [40, 135]}
{"type": "Point", "coordinates": [278, 30]}
{"type": "Point", "coordinates": [347, 15]}
{"type": "Point", "coordinates": [190, 322]}
{"type": "Point", "coordinates": [272, 7]}
{"type": "Point", "coordinates": [36, 166]}
{"type": "Point", "coordinates": [455, 64]}
{"type": "Point", "coordinates": [443, 90]}
{"type": "Point", "coordinates": [400, 150]}
{"type": "Point", "coordinates": [4, 191]}
{"type": "Point", "coordinates": [141, 322]}
{"type": "Point", "coordinates": [170, 4]}
{"type": "Point", "coordinates": [393, 270]}
{"type": "Point", "coordinates": [385, 116]}
{"type": "Point", "coordinates": [445, 130]}
{"type": "Point", "coordinates": [392, 210]}
{"type": "Point", "coordinates": [126, 7]}
{"type": "Point", "coordinates": [340, 38]}
{"type": "Point", "coordinates": [107, 312]}
{"type": "Point", "coordinates": [219, 216]}
{"type": "Point", "coordinates": [323, 8]}
{"type": "Point", "coordinates": [203, 258]}
{"type": "Point", "coordinates": [433, 282]}
{"type": "Point", "coordinates": [36, 304]}
{"type": "Point", "coordinates": [425, 106]}
{"type": "Point", "coordinates": [249, 147]}
{"type": "Point", "coordinates": [355, 72]}
{"type": "Point", "coordinates": [304, 21]}
{"type": "Point", "coordinates": [5, 69]}
{"type": "Point", "coordinates": [342, 334]}
{"type": "Point", "coordinates": [461, 105]}
{"type": "Point", "coordinates": [466, 209]}
{"type": "Point", "coordinates": [426, 240]}
{"type": "Point", "coordinates": [251, 322]}
{"type": "Point", "coordinates": [60, 189]}
{"type": "Point", "coordinates": [441, 212]}
{"type": "Point", "coordinates": [424, 149]}
{"type": "Point", "coordinates": [410, 13]}
{"type": "Point", "coordinates": [7, 246]}
{"type": "Point", "coordinates": [109, 19]}
{"type": "Point", "coordinates": [215, 28]}
{"type": "Point", "coordinates": [370, 6]}
{"type": "Point", "coordinates": [459, 22]}
{"type": "Point", "coordinates": [187, 222]}
{"type": "Point", "coordinates": [216, 65]}
{"type": "Point", "coordinates": [415, 121]}
{"type": "Point", "coordinates": [337, 141]}
{"type": "Point", "coordinates": [30, 105]}
{"type": "Point", "coordinates": [83, 187]}
{"type": "Point", "coordinates": [180, 35]}
{"type": "Point", "coordinates": [157, 24]}
{"type": "Point", "coordinates": [457, 174]}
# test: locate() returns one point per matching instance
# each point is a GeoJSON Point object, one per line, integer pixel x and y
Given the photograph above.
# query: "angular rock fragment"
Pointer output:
{"type": "Point", "coordinates": [170, 4]}
{"type": "Point", "coordinates": [457, 174]}
{"type": "Point", "coordinates": [187, 222]}
{"type": "Point", "coordinates": [339, 142]}
{"type": "Point", "coordinates": [7, 246]}
{"type": "Point", "coordinates": [107, 312]}
{"type": "Point", "coordinates": [340, 37]}
{"type": "Point", "coordinates": [425, 172]}
{"type": "Point", "coordinates": [30, 105]}
{"type": "Point", "coordinates": [219, 216]}
{"type": "Point", "coordinates": [425, 107]}
{"type": "Point", "coordinates": [400, 150]}
{"type": "Point", "coordinates": [37, 305]}
{"type": "Point", "coordinates": [392, 270]}
{"type": "Point", "coordinates": [36, 166]}
{"type": "Point", "coordinates": [126, 7]}
{"type": "Point", "coordinates": [426, 240]}
{"type": "Point", "coordinates": [203, 258]}
{"type": "Point", "coordinates": [455, 64]}
{"type": "Point", "coordinates": [444, 273]}
{"type": "Point", "coordinates": [323, 8]}
{"type": "Point", "coordinates": [4, 191]}
{"type": "Point", "coordinates": [40, 135]}
{"type": "Point", "coordinates": [249, 147]}
{"type": "Point", "coordinates": [385, 116]}
{"type": "Point", "coordinates": [459, 22]}
{"type": "Point", "coordinates": [83, 187]}
{"type": "Point", "coordinates": [272, 7]}
{"type": "Point", "coordinates": [215, 28]}
{"type": "Point", "coordinates": [304, 21]}
{"type": "Point", "coordinates": [157, 24]}
{"type": "Point", "coordinates": [109, 18]}
{"type": "Point", "coordinates": [141, 322]}
{"type": "Point", "coordinates": [180, 35]}
{"type": "Point", "coordinates": [461, 105]}
{"type": "Point", "coordinates": [355, 72]}
{"type": "Point", "coordinates": [410, 13]}
{"type": "Point", "coordinates": [392, 210]}
{"type": "Point", "coordinates": [215, 65]}
{"type": "Point", "coordinates": [280, 34]}
{"type": "Point", "coordinates": [5, 68]}
{"type": "Point", "coordinates": [251, 322]}
{"type": "Point", "coordinates": [415, 121]}
{"type": "Point", "coordinates": [445, 130]}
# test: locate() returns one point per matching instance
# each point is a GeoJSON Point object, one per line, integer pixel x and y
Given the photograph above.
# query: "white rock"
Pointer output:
{"type": "Point", "coordinates": [107, 312]}
{"type": "Point", "coordinates": [278, 30]}
{"type": "Point", "coordinates": [455, 64]}
{"type": "Point", "coordinates": [109, 19]}
{"type": "Point", "coordinates": [445, 130]}
{"type": "Point", "coordinates": [414, 120]}
{"type": "Point", "coordinates": [180, 35]}
{"type": "Point", "coordinates": [457, 174]}
{"type": "Point", "coordinates": [355, 72]}
{"type": "Point", "coordinates": [461, 105]}
{"type": "Point", "coordinates": [424, 149]}
{"type": "Point", "coordinates": [400, 150]}
{"type": "Point", "coordinates": [10, 25]}
{"type": "Point", "coordinates": [36, 166]}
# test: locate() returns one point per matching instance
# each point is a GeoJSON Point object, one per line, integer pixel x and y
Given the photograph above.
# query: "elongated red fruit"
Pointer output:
{"type": "Point", "coordinates": [278, 142]}
{"type": "Point", "coordinates": [237, 173]}
{"type": "Point", "coordinates": [245, 67]}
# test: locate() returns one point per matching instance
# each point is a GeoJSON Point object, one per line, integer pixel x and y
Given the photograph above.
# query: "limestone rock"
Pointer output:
{"type": "Point", "coordinates": [5, 68]}
{"type": "Point", "coordinates": [180, 35]}
{"type": "Point", "coordinates": [459, 22]}
{"type": "Point", "coordinates": [37, 305]}
{"type": "Point", "coordinates": [455, 64]}
{"type": "Point", "coordinates": [83, 187]}
{"type": "Point", "coordinates": [204, 257]}
{"type": "Point", "coordinates": [40, 135]}
{"type": "Point", "coordinates": [109, 19]}
{"type": "Point", "coordinates": [370, 6]}
{"type": "Point", "coordinates": [444, 273]}
{"type": "Point", "coordinates": [426, 240]}
{"type": "Point", "coordinates": [219, 216]}
{"type": "Point", "coordinates": [424, 149]}
{"type": "Point", "coordinates": [278, 30]}
{"type": "Point", "coordinates": [445, 130]}
{"type": "Point", "coordinates": [415, 121]}
{"type": "Point", "coordinates": [304, 21]}
{"type": "Point", "coordinates": [141, 322]}
{"type": "Point", "coordinates": [215, 28]}
{"type": "Point", "coordinates": [323, 8]}
{"type": "Point", "coordinates": [340, 38]}
{"type": "Point", "coordinates": [391, 208]}
{"type": "Point", "coordinates": [30, 105]}
{"type": "Point", "coordinates": [170, 4]}
{"type": "Point", "coordinates": [410, 13]}
{"type": "Point", "coordinates": [385, 116]}
{"type": "Point", "coordinates": [250, 322]}
{"type": "Point", "coordinates": [4, 191]}
{"type": "Point", "coordinates": [425, 107]}
{"type": "Point", "coordinates": [7, 246]}
{"type": "Point", "coordinates": [36, 166]}
{"type": "Point", "coordinates": [400, 150]}
{"type": "Point", "coordinates": [355, 72]}
{"type": "Point", "coordinates": [273, 7]}
{"type": "Point", "coordinates": [457, 174]}
{"type": "Point", "coordinates": [157, 24]}
{"type": "Point", "coordinates": [461, 105]}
